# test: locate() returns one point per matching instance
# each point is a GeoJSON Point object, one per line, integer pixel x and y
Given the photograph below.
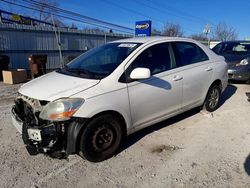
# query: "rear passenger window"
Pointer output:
{"type": "Point", "coordinates": [188, 53]}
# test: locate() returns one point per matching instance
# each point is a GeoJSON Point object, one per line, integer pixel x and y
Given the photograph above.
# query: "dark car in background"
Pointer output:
{"type": "Point", "coordinates": [237, 55]}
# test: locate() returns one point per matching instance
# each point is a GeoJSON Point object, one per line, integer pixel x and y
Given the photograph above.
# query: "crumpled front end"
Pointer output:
{"type": "Point", "coordinates": [39, 136]}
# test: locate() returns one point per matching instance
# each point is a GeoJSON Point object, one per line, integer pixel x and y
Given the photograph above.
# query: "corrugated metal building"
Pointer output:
{"type": "Point", "coordinates": [19, 41]}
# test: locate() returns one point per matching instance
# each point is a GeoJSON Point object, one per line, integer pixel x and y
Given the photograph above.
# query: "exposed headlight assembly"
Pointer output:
{"type": "Point", "coordinates": [61, 109]}
{"type": "Point", "coordinates": [243, 62]}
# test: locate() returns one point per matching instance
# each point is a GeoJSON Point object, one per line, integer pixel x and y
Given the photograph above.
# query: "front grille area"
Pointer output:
{"type": "Point", "coordinates": [28, 111]}
{"type": "Point", "coordinates": [43, 103]}
{"type": "Point", "coordinates": [25, 111]}
{"type": "Point", "coordinates": [34, 103]}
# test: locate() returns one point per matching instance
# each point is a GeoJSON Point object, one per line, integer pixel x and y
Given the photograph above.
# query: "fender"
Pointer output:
{"type": "Point", "coordinates": [73, 132]}
{"type": "Point", "coordinates": [97, 110]}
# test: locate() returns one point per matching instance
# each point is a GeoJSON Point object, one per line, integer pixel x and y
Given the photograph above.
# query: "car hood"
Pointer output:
{"type": "Point", "coordinates": [55, 85]}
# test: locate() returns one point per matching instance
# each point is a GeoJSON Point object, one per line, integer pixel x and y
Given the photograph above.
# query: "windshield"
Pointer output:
{"type": "Point", "coordinates": [101, 61]}
{"type": "Point", "coordinates": [232, 48]}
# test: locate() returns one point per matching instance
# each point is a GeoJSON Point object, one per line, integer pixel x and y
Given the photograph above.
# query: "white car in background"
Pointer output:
{"type": "Point", "coordinates": [113, 90]}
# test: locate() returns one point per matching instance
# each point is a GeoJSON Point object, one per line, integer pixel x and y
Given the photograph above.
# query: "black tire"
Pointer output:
{"type": "Point", "coordinates": [213, 98]}
{"type": "Point", "coordinates": [101, 138]}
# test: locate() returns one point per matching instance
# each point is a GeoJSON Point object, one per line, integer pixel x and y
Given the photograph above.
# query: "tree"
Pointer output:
{"type": "Point", "coordinates": [155, 32]}
{"type": "Point", "coordinates": [44, 10]}
{"type": "Point", "coordinates": [223, 32]}
{"type": "Point", "coordinates": [199, 37]}
{"type": "Point", "coordinates": [94, 30]}
{"type": "Point", "coordinates": [172, 30]}
{"type": "Point", "coordinates": [58, 22]}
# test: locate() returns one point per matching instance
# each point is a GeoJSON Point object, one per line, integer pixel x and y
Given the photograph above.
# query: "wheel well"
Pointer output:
{"type": "Point", "coordinates": [114, 113]}
{"type": "Point", "coordinates": [118, 115]}
{"type": "Point", "coordinates": [218, 83]}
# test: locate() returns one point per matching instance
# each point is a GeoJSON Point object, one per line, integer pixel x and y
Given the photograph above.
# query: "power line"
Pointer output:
{"type": "Point", "coordinates": [131, 10]}
{"type": "Point", "coordinates": [163, 11]}
{"type": "Point", "coordinates": [68, 17]}
{"type": "Point", "coordinates": [139, 13]}
{"type": "Point", "coordinates": [36, 3]}
{"type": "Point", "coordinates": [157, 9]}
{"type": "Point", "coordinates": [177, 12]}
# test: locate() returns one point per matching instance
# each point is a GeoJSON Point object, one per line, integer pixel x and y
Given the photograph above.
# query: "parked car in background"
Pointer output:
{"type": "Point", "coordinates": [116, 89]}
{"type": "Point", "coordinates": [237, 55]}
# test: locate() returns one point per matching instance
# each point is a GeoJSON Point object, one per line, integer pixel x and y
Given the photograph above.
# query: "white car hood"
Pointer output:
{"type": "Point", "coordinates": [55, 85]}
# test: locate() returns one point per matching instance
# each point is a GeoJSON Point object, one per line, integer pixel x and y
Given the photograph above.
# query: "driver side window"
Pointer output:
{"type": "Point", "coordinates": [156, 58]}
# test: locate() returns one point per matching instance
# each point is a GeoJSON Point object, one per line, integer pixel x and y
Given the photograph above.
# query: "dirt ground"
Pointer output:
{"type": "Point", "coordinates": [190, 150]}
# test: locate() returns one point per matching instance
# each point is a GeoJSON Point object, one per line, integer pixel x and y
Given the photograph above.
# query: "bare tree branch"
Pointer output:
{"type": "Point", "coordinates": [155, 32]}
{"type": "Point", "coordinates": [223, 32]}
{"type": "Point", "coordinates": [44, 12]}
{"type": "Point", "coordinates": [172, 30]}
{"type": "Point", "coordinates": [199, 37]}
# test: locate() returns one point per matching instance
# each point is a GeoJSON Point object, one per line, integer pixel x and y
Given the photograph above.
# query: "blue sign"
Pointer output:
{"type": "Point", "coordinates": [143, 28]}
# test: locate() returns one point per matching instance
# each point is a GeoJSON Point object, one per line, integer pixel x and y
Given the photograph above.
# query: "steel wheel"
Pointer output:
{"type": "Point", "coordinates": [101, 138]}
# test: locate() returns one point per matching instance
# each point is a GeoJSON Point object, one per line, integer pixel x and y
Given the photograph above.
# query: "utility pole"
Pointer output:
{"type": "Point", "coordinates": [206, 31]}
{"type": "Point", "coordinates": [58, 40]}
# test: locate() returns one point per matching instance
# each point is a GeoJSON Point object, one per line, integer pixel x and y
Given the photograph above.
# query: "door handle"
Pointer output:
{"type": "Point", "coordinates": [208, 69]}
{"type": "Point", "coordinates": [177, 78]}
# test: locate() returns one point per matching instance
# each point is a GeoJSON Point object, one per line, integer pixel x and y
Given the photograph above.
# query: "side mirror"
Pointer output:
{"type": "Point", "coordinates": [140, 73]}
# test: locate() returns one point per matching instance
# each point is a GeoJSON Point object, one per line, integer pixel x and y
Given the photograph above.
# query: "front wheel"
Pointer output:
{"type": "Point", "coordinates": [101, 138]}
{"type": "Point", "coordinates": [213, 98]}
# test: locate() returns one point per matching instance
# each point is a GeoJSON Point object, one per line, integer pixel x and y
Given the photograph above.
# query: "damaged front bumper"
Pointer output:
{"type": "Point", "coordinates": [40, 138]}
{"type": "Point", "coordinates": [16, 121]}
{"type": "Point", "coordinates": [58, 139]}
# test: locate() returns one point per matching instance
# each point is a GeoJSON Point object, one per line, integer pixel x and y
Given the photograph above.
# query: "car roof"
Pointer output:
{"type": "Point", "coordinates": [153, 39]}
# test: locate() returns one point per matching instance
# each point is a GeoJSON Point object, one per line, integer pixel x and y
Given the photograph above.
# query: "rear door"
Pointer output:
{"type": "Point", "coordinates": [197, 72]}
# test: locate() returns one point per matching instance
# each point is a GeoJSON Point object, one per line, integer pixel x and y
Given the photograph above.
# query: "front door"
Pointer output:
{"type": "Point", "coordinates": [155, 98]}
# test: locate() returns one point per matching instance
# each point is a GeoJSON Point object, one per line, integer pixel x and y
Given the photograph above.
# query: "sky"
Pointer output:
{"type": "Point", "coordinates": [191, 15]}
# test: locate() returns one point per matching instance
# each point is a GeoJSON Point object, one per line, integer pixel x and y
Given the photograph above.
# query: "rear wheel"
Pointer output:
{"type": "Point", "coordinates": [101, 138]}
{"type": "Point", "coordinates": [213, 98]}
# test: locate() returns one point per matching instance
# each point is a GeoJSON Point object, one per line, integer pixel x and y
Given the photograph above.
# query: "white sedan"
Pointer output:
{"type": "Point", "coordinates": [113, 90]}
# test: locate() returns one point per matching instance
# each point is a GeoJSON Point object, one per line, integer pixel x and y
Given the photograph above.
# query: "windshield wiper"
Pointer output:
{"type": "Point", "coordinates": [83, 71]}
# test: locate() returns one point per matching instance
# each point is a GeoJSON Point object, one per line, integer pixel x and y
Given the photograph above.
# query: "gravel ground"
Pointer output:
{"type": "Point", "coordinates": [191, 150]}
